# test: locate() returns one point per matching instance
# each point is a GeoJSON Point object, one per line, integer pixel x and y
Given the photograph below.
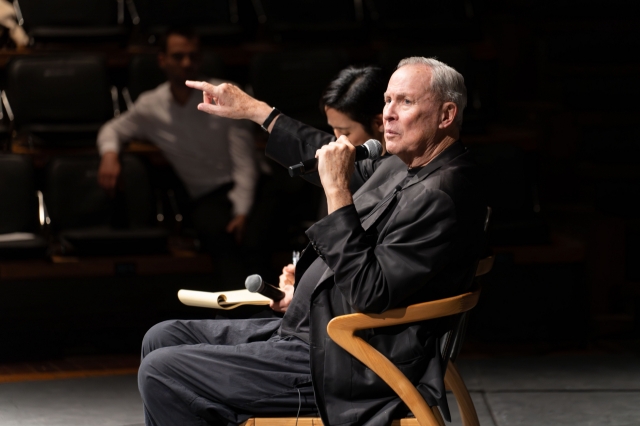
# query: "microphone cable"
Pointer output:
{"type": "Point", "coordinates": [299, 405]}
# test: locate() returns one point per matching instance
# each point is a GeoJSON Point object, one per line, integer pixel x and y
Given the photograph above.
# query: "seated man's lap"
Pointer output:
{"type": "Point", "coordinates": [213, 332]}
{"type": "Point", "coordinates": [236, 364]}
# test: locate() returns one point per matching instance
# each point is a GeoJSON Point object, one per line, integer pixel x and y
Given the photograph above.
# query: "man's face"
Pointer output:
{"type": "Point", "coordinates": [410, 113]}
{"type": "Point", "coordinates": [181, 61]}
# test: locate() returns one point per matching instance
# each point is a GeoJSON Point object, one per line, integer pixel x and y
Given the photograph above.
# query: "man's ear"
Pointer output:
{"type": "Point", "coordinates": [448, 114]}
{"type": "Point", "coordinates": [378, 123]}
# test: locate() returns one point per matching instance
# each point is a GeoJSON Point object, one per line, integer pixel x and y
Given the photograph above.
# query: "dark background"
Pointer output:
{"type": "Point", "coordinates": [552, 117]}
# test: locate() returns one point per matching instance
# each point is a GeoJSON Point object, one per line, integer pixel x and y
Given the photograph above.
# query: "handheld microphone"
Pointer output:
{"type": "Point", "coordinates": [370, 149]}
{"type": "Point", "coordinates": [255, 284]}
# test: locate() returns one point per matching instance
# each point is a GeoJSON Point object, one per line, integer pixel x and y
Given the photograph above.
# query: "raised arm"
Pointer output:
{"type": "Point", "coordinates": [228, 100]}
{"type": "Point", "coordinates": [290, 141]}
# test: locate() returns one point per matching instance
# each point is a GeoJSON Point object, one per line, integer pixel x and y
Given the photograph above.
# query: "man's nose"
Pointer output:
{"type": "Point", "coordinates": [389, 113]}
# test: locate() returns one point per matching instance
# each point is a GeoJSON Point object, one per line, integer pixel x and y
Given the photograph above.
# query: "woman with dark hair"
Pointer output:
{"type": "Point", "coordinates": [353, 104]}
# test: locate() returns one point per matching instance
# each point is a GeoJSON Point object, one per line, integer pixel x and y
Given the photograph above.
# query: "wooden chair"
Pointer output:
{"type": "Point", "coordinates": [342, 330]}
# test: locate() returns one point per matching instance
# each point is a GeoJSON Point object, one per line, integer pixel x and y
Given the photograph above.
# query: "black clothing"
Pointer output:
{"type": "Point", "coordinates": [386, 251]}
{"type": "Point", "coordinates": [296, 319]}
{"type": "Point", "coordinates": [222, 372]}
{"type": "Point", "coordinates": [403, 241]}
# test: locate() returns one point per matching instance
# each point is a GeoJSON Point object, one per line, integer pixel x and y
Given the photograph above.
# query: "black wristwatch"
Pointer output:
{"type": "Point", "coordinates": [274, 113]}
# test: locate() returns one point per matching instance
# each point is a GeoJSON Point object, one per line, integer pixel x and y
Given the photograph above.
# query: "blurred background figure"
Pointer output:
{"type": "Point", "coordinates": [213, 157]}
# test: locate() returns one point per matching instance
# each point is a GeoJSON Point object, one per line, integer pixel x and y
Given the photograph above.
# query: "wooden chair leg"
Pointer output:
{"type": "Point", "coordinates": [453, 381]}
{"type": "Point", "coordinates": [437, 415]}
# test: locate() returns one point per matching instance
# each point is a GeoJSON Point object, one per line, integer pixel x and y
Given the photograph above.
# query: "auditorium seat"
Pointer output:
{"type": "Point", "coordinates": [423, 20]}
{"type": "Point", "coordinates": [213, 20]}
{"type": "Point", "coordinates": [312, 20]}
{"type": "Point", "coordinates": [88, 221]}
{"type": "Point", "coordinates": [59, 100]}
{"type": "Point", "coordinates": [293, 81]}
{"type": "Point", "coordinates": [145, 74]}
{"type": "Point", "coordinates": [73, 20]}
{"type": "Point", "coordinates": [19, 208]}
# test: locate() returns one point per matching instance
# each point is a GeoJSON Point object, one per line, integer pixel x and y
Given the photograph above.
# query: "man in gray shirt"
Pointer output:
{"type": "Point", "coordinates": [213, 156]}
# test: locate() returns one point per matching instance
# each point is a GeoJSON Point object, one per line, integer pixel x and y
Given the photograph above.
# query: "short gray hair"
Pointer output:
{"type": "Point", "coordinates": [446, 82]}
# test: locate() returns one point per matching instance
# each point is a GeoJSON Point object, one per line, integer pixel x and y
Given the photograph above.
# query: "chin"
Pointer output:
{"type": "Point", "coordinates": [391, 147]}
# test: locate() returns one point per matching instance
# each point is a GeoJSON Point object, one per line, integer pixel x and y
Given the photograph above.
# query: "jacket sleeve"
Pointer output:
{"type": "Point", "coordinates": [379, 272]}
{"type": "Point", "coordinates": [291, 142]}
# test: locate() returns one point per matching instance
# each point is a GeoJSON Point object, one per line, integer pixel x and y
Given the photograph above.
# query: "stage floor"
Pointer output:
{"type": "Point", "coordinates": [552, 390]}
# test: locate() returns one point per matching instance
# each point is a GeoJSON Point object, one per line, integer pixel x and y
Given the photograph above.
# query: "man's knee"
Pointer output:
{"type": "Point", "coordinates": [154, 373]}
{"type": "Point", "coordinates": [159, 336]}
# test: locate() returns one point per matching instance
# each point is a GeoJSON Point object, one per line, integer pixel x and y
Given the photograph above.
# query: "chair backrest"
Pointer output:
{"type": "Point", "coordinates": [144, 74]}
{"type": "Point", "coordinates": [293, 81]}
{"type": "Point", "coordinates": [18, 202]}
{"type": "Point", "coordinates": [310, 11]}
{"type": "Point", "coordinates": [70, 13]}
{"type": "Point", "coordinates": [164, 13]}
{"type": "Point", "coordinates": [414, 11]}
{"type": "Point", "coordinates": [75, 200]}
{"type": "Point", "coordinates": [59, 90]}
{"type": "Point", "coordinates": [453, 339]}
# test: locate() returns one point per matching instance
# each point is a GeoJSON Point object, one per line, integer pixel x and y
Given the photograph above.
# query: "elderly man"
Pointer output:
{"type": "Point", "coordinates": [411, 233]}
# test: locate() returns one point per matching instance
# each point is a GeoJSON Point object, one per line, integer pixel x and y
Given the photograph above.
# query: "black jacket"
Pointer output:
{"type": "Point", "coordinates": [395, 246]}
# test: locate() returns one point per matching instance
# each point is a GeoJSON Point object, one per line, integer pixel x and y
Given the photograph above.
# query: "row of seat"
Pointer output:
{"type": "Point", "coordinates": [62, 100]}
{"type": "Point", "coordinates": [104, 20]}
{"type": "Point", "coordinates": [88, 220]}
{"type": "Point", "coordinates": [72, 210]}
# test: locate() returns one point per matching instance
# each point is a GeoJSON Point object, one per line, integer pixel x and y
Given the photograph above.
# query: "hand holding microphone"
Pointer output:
{"type": "Point", "coordinates": [370, 149]}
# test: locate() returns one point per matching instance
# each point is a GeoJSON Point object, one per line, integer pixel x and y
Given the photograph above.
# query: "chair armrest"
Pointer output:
{"type": "Point", "coordinates": [412, 313]}
{"type": "Point", "coordinates": [484, 266]}
{"type": "Point", "coordinates": [342, 328]}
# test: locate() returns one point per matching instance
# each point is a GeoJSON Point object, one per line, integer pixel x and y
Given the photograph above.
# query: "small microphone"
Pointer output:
{"type": "Point", "coordinates": [255, 284]}
{"type": "Point", "coordinates": [370, 149]}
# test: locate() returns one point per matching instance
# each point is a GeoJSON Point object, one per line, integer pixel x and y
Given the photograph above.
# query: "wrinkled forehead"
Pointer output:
{"type": "Point", "coordinates": [410, 80]}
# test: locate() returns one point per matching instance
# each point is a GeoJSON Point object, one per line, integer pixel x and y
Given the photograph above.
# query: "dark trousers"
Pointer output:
{"type": "Point", "coordinates": [210, 215]}
{"type": "Point", "coordinates": [221, 372]}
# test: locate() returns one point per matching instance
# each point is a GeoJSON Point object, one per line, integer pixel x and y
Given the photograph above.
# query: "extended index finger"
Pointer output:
{"type": "Point", "coordinates": [201, 85]}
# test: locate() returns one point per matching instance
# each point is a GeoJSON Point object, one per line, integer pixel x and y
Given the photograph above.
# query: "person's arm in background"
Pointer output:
{"type": "Point", "coordinates": [245, 176]}
{"type": "Point", "coordinates": [112, 135]}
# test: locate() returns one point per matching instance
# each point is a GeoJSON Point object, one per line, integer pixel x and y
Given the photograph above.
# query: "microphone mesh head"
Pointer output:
{"type": "Point", "coordinates": [374, 147]}
{"type": "Point", "coordinates": [253, 283]}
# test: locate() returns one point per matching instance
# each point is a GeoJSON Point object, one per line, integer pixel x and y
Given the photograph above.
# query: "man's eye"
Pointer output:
{"type": "Point", "coordinates": [407, 102]}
